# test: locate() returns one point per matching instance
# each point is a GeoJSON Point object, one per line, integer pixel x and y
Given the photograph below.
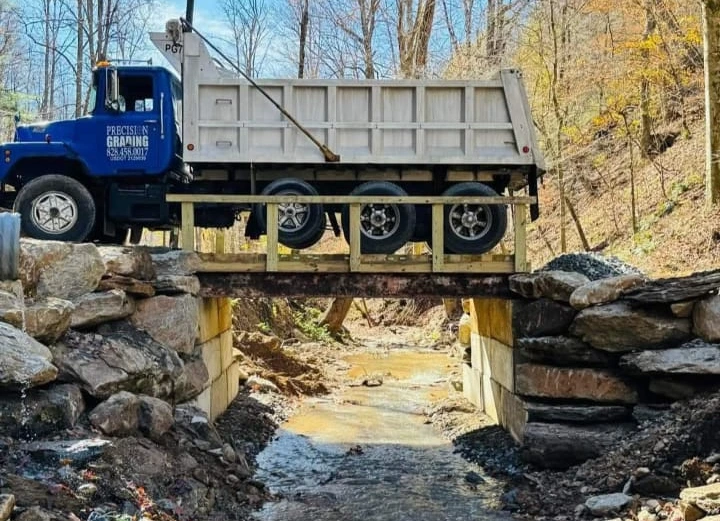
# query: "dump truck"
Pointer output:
{"type": "Point", "coordinates": [201, 127]}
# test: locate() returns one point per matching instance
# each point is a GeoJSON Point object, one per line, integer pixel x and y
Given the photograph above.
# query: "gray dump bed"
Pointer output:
{"type": "Point", "coordinates": [414, 122]}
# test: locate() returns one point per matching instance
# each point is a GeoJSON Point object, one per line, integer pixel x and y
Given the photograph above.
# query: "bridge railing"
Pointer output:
{"type": "Point", "coordinates": [356, 261]}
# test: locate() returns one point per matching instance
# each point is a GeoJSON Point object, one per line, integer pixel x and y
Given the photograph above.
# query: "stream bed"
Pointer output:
{"type": "Point", "coordinates": [367, 453]}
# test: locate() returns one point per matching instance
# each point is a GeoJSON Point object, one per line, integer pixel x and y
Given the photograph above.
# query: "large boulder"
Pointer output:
{"type": "Point", "coordinates": [156, 417]}
{"type": "Point", "coordinates": [174, 262]}
{"type": "Point", "coordinates": [121, 358]}
{"type": "Point", "coordinates": [172, 321]}
{"type": "Point", "coordinates": [693, 358]}
{"type": "Point", "coordinates": [706, 498]}
{"type": "Point", "coordinates": [131, 286]}
{"type": "Point", "coordinates": [617, 327]}
{"type": "Point", "coordinates": [134, 262]}
{"type": "Point", "coordinates": [604, 291]}
{"type": "Point", "coordinates": [562, 351]}
{"type": "Point", "coordinates": [73, 275]}
{"type": "Point", "coordinates": [555, 285]}
{"type": "Point", "coordinates": [608, 504]}
{"type": "Point", "coordinates": [706, 318]}
{"type": "Point", "coordinates": [48, 319]}
{"type": "Point", "coordinates": [119, 415]}
{"type": "Point", "coordinates": [552, 413]}
{"type": "Point", "coordinates": [542, 317]}
{"type": "Point", "coordinates": [7, 505]}
{"type": "Point", "coordinates": [24, 362]}
{"type": "Point", "coordinates": [97, 308]}
{"type": "Point", "coordinates": [193, 380]}
{"type": "Point", "coordinates": [41, 411]}
{"type": "Point", "coordinates": [563, 383]}
{"type": "Point", "coordinates": [37, 257]}
{"type": "Point", "coordinates": [12, 306]}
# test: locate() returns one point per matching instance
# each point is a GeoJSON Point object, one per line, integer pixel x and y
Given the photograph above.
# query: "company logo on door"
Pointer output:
{"type": "Point", "coordinates": [127, 142]}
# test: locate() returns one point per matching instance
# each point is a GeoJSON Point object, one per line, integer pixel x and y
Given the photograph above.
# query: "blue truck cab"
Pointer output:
{"type": "Point", "coordinates": [99, 175]}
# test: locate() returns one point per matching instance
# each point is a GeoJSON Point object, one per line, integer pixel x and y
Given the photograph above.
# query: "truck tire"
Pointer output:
{"type": "Point", "coordinates": [473, 229]}
{"type": "Point", "coordinates": [384, 228]}
{"type": "Point", "coordinates": [299, 225]}
{"type": "Point", "coordinates": [56, 207]}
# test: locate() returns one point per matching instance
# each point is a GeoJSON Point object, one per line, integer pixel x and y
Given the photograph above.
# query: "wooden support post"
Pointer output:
{"type": "Point", "coordinates": [438, 245]}
{"type": "Point", "coordinates": [220, 240]}
{"type": "Point", "coordinates": [336, 313]}
{"type": "Point", "coordinates": [355, 237]}
{"type": "Point", "coordinates": [521, 238]}
{"type": "Point", "coordinates": [272, 237]}
{"type": "Point", "coordinates": [188, 226]}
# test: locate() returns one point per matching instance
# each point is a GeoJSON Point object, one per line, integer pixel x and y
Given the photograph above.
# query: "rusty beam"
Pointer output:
{"type": "Point", "coordinates": [361, 285]}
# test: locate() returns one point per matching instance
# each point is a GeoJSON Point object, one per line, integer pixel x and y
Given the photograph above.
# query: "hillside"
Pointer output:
{"type": "Point", "coordinates": [677, 233]}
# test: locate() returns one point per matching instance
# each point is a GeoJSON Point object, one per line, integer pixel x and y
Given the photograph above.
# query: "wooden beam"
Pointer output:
{"type": "Point", "coordinates": [346, 199]}
{"type": "Point", "coordinates": [272, 237]}
{"type": "Point", "coordinates": [438, 232]}
{"type": "Point", "coordinates": [358, 285]}
{"type": "Point", "coordinates": [188, 226]}
{"type": "Point", "coordinates": [355, 238]}
{"type": "Point", "coordinates": [521, 239]}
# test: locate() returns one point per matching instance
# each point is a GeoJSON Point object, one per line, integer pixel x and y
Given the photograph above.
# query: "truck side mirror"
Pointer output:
{"type": "Point", "coordinates": [112, 90]}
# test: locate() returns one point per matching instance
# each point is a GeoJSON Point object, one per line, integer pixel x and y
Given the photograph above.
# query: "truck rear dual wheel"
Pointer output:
{"type": "Point", "coordinates": [300, 225]}
{"type": "Point", "coordinates": [384, 228]}
{"type": "Point", "coordinates": [56, 207]}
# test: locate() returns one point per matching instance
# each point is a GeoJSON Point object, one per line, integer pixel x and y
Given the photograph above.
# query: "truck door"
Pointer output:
{"type": "Point", "coordinates": [130, 135]}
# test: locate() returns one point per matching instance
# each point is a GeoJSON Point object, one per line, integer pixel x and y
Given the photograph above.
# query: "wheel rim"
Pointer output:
{"type": "Point", "coordinates": [292, 217]}
{"type": "Point", "coordinates": [379, 221]}
{"type": "Point", "coordinates": [470, 222]}
{"type": "Point", "coordinates": [54, 212]}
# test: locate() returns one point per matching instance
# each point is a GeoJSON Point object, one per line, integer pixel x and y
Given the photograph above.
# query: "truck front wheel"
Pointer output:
{"type": "Point", "coordinates": [56, 207]}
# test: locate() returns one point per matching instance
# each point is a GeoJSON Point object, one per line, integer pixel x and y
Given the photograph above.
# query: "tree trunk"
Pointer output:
{"type": "Point", "coordinates": [336, 313]}
{"type": "Point", "coordinates": [711, 34]}
{"type": "Point", "coordinates": [79, 60]}
{"type": "Point", "coordinates": [645, 117]}
{"type": "Point", "coordinates": [304, 23]}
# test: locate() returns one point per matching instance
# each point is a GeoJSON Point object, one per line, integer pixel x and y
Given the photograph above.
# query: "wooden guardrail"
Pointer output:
{"type": "Point", "coordinates": [438, 262]}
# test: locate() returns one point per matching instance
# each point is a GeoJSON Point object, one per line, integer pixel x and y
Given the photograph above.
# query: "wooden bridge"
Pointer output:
{"type": "Point", "coordinates": [354, 273]}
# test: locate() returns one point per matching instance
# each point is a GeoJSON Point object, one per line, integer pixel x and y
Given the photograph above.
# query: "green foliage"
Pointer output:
{"type": "Point", "coordinates": [264, 328]}
{"type": "Point", "coordinates": [644, 243]}
{"type": "Point", "coordinates": [308, 322]}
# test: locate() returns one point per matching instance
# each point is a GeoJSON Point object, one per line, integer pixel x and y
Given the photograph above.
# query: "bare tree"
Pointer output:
{"type": "Point", "coordinates": [414, 29]}
{"type": "Point", "coordinates": [248, 21]}
{"type": "Point", "coordinates": [711, 34]}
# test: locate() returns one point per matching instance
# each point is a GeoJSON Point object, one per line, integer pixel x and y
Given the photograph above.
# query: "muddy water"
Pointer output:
{"type": "Point", "coordinates": [367, 454]}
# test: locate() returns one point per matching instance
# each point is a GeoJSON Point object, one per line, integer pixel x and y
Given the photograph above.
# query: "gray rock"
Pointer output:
{"type": "Point", "coordinates": [604, 291]}
{"type": "Point", "coordinates": [193, 380]}
{"type": "Point", "coordinates": [134, 261]}
{"type": "Point", "coordinates": [119, 415]}
{"type": "Point", "coordinates": [646, 413]}
{"type": "Point", "coordinates": [41, 412]}
{"type": "Point", "coordinates": [78, 452]}
{"type": "Point", "coordinates": [48, 319]}
{"type": "Point", "coordinates": [97, 308]}
{"type": "Point", "coordinates": [542, 317]}
{"type": "Point", "coordinates": [172, 321]}
{"type": "Point", "coordinates": [543, 412]}
{"type": "Point", "coordinates": [24, 362]}
{"type": "Point", "coordinates": [12, 306]}
{"type": "Point", "coordinates": [560, 446]}
{"type": "Point", "coordinates": [174, 262]}
{"type": "Point", "coordinates": [563, 351]}
{"type": "Point", "coordinates": [706, 318]}
{"type": "Point", "coordinates": [174, 284]}
{"type": "Point", "coordinates": [74, 275]}
{"type": "Point", "coordinates": [37, 257]}
{"type": "Point", "coordinates": [555, 285]}
{"type": "Point", "coordinates": [121, 358]}
{"type": "Point", "coordinates": [261, 385]}
{"type": "Point", "coordinates": [35, 514]}
{"type": "Point", "coordinates": [608, 504]}
{"type": "Point", "coordinates": [619, 328]}
{"type": "Point", "coordinates": [673, 389]}
{"type": "Point", "coordinates": [156, 417]}
{"type": "Point", "coordinates": [195, 424]}
{"type": "Point", "coordinates": [693, 358]}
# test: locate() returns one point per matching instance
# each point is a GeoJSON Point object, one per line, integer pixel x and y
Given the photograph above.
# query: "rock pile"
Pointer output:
{"type": "Point", "coordinates": [592, 358]}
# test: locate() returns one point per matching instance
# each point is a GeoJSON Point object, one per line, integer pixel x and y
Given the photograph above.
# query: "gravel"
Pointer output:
{"type": "Point", "coordinates": [592, 265]}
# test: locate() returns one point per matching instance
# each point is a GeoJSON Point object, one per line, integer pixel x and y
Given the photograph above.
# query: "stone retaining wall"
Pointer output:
{"type": "Point", "coordinates": [110, 325]}
{"type": "Point", "coordinates": [571, 365]}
